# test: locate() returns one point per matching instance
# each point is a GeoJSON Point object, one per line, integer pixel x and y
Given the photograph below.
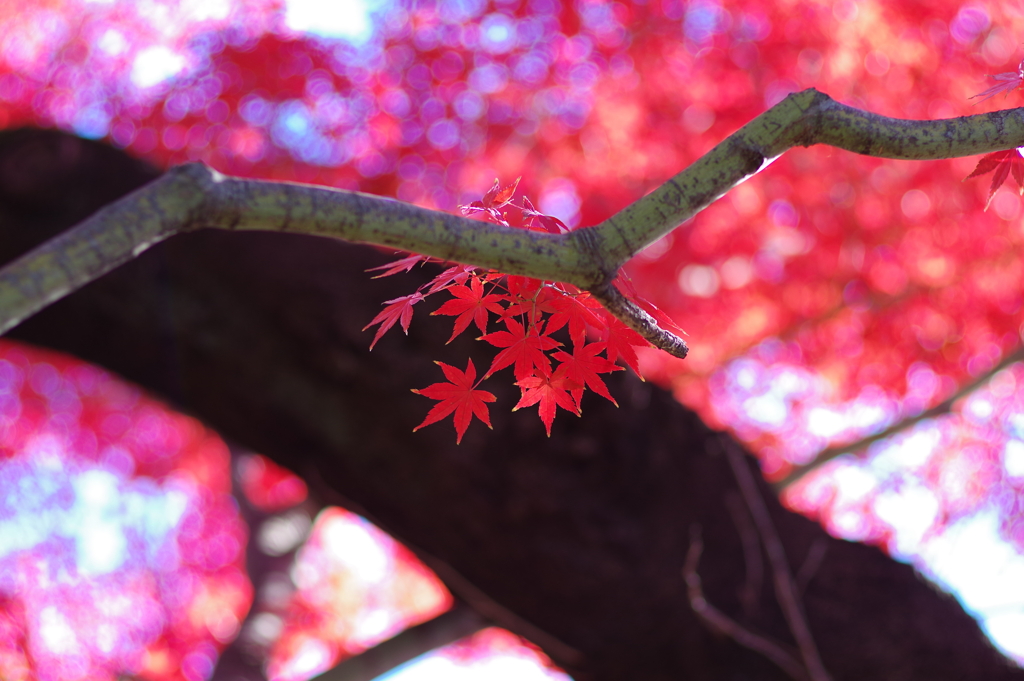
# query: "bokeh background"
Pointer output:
{"type": "Point", "coordinates": [828, 299]}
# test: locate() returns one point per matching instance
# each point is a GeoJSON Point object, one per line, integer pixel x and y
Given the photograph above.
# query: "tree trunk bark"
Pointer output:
{"type": "Point", "coordinates": [577, 541]}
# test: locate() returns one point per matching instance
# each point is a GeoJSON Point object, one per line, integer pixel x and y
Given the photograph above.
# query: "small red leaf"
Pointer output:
{"type": "Point", "coordinates": [578, 311]}
{"type": "Point", "coordinates": [550, 392]}
{"type": "Point", "coordinates": [488, 199]}
{"type": "Point", "coordinates": [625, 286]}
{"type": "Point", "coordinates": [457, 274]}
{"type": "Point", "coordinates": [498, 198]}
{"type": "Point", "coordinates": [471, 305]}
{"type": "Point", "coordinates": [398, 309]}
{"type": "Point", "coordinates": [1003, 163]}
{"type": "Point", "coordinates": [403, 265]}
{"type": "Point", "coordinates": [1010, 81]}
{"type": "Point", "coordinates": [1017, 169]}
{"type": "Point", "coordinates": [987, 164]}
{"type": "Point", "coordinates": [458, 395]}
{"type": "Point", "coordinates": [583, 367]}
{"type": "Point", "coordinates": [621, 340]}
{"type": "Point", "coordinates": [523, 347]}
{"type": "Point", "coordinates": [548, 223]}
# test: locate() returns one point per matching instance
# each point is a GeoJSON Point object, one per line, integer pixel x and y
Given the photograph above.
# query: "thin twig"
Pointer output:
{"type": "Point", "coordinates": [719, 621]}
{"type": "Point", "coordinates": [751, 590]}
{"type": "Point", "coordinates": [815, 556]}
{"type": "Point", "coordinates": [940, 409]}
{"type": "Point", "coordinates": [455, 624]}
{"type": "Point", "coordinates": [785, 589]}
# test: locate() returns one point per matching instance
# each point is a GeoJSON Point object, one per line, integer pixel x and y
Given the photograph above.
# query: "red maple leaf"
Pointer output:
{"type": "Point", "coordinates": [551, 392]}
{"type": "Point", "coordinates": [619, 340]}
{"type": "Point", "coordinates": [576, 309]}
{"type": "Point", "coordinates": [459, 395]}
{"type": "Point", "coordinates": [496, 198]}
{"type": "Point", "coordinates": [1009, 81]}
{"type": "Point", "coordinates": [456, 274]}
{"type": "Point", "coordinates": [1004, 163]}
{"type": "Point", "coordinates": [523, 287]}
{"type": "Point", "coordinates": [397, 309]}
{"type": "Point", "coordinates": [403, 265]}
{"type": "Point", "coordinates": [583, 367]}
{"type": "Point", "coordinates": [529, 298]}
{"type": "Point", "coordinates": [525, 347]}
{"type": "Point", "coordinates": [471, 305]}
{"type": "Point", "coordinates": [535, 218]}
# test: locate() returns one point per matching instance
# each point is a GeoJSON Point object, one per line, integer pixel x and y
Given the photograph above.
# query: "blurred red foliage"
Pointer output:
{"type": "Point", "coordinates": [267, 486]}
{"type": "Point", "coordinates": [825, 299]}
{"type": "Point", "coordinates": [123, 549]}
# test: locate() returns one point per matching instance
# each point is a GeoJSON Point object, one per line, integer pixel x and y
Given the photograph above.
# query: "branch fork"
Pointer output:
{"type": "Point", "coordinates": [193, 196]}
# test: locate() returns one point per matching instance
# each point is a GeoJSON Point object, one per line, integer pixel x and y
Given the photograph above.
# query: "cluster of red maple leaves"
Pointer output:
{"type": "Point", "coordinates": [532, 311]}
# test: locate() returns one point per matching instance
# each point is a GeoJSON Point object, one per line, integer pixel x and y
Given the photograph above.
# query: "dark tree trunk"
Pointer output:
{"type": "Point", "coordinates": [577, 541]}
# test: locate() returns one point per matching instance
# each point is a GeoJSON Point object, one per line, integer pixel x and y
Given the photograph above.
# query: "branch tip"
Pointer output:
{"type": "Point", "coordinates": [636, 318]}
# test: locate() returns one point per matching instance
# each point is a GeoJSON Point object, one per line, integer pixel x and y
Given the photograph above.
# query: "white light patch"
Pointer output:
{"type": "Point", "coordinates": [280, 534]}
{"type": "Point", "coordinates": [194, 11]}
{"type": "Point", "coordinates": [350, 20]}
{"type": "Point", "coordinates": [313, 658]}
{"type": "Point", "coordinates": [353, 546]}
{"type": "Point", "coordinates": [372, 625]}
{"type": "Point", "coordinates": [980, 408]}
{"type": "Point", "coordinates": [56, 633]}
{"type": "Point", "coordinates": [911, 512]}
{"type": "Point", "coordinates": [100, 542]}
{"type": "Point", "coordinates": [867, 416]}
{"type": "Point", "coordinates": [100, 512]}
{"type": "Point", "coordinates": [497, 33]}
{"type": "Point", "coordinates": [265, 628]}
{"type": "Point", "coordinates": [853, 483]}
{"type": "Point", "coordinates": [1005, 629]}
{"type": "Point", "coordinates": [909, 452]}
{"type": "Point", "coordinates": [112, 42]}
{"type": "Point", "coordinates": [985, 573]}
{"type": "Point", "coordinates": [155, 65]}
{"type": "Point", "coordinates": [1013, 458]}
{"type": "Point", "coordinates": [768, 410]}
{"type": "Point", "coordinates": [825, 422]}
{"type": "Point", "coordinates": [436, 667]}
{"type": "Point", "coordinates": [737, 272]}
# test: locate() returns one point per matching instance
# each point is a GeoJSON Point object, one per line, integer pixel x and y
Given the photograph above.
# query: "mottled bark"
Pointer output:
{"type": "Point", "coordinates": [193, 196]}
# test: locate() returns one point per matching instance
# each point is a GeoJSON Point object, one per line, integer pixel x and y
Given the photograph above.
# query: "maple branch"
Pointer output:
{"type": "Point", "coordinates": [751, 589]}
{"type": "Point", "coordinates": [455, 624]}
{"type": "Point", "coordinates": [722, 623]}
{"type": "Point", "coordinates": [802, 119]}
{"type": "Point", "coordinates": [192, 196]}
{"type": "Point", "coordinates": [813, 560]}
{"type": "Point", "coordinates": [940, 409]}
{"type": "Point", "coordinates": [637, 319]}
{"type": "Point", "coordinates": [785, 588]}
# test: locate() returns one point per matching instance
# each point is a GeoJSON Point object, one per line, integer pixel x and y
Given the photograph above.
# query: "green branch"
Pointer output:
{"type": "Point", "coordinates": [192, 197]}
